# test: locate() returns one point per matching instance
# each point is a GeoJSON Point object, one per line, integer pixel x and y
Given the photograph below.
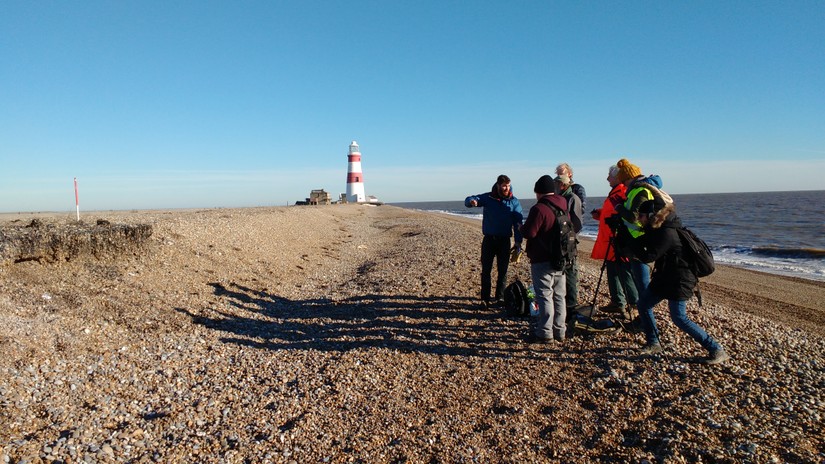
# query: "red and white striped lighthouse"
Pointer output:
{"type": "Point", "coordinates": [355, 179]}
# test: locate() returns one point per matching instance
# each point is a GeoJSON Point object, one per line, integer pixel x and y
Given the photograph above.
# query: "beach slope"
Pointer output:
{"type": "Point", "coordinates": [353, 334]}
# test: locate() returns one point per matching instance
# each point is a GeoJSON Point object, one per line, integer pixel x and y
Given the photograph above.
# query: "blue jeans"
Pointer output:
{"type": "Point", "coordinates": [641, 275]}
{"type": "Point", "coordinates": [549, 286]}
{"type": "Point", "coordinates": [678, 315]}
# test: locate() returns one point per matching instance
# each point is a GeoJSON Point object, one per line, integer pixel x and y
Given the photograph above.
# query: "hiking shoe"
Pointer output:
{"type": "Point", "coordinates": [717, 357]}
{"type": "Point", "coordinates": [632, 326]}
{"type": "Point", "coordinates": [535, 339]}
{"type": "Point", "coordinates": [651, 349]}
{"type": "Point", "coordinates": [612, 308]}
{"type": "Point", "coordinates": [627, 314]}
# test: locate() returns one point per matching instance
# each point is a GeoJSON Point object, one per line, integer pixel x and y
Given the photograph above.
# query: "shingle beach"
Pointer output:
{"type": "Point", "coordinates": [353, 333]}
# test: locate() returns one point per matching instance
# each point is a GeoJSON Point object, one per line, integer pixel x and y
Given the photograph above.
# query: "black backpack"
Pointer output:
{"type": "Point", "coordinates": [562, 240]}
{"type": "Point", "coordinates": [696, 252]}
{"type": "Point", "coordinates": [516, 300]}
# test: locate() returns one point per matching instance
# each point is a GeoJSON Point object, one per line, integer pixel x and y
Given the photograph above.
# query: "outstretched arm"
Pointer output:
{"type": "Point", "coordinates": [472, 201]}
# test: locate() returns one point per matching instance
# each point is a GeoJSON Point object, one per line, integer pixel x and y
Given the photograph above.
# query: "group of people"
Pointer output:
{"type": "Point", "coordinates": [637, 225]}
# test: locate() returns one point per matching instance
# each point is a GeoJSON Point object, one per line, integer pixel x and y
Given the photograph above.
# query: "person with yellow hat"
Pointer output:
{"type": "Point", "coordinates": [639, 190]}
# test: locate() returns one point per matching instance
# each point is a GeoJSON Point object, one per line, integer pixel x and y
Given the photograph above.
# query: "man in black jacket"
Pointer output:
{"type": "Point", "coordinates": [672, 278]}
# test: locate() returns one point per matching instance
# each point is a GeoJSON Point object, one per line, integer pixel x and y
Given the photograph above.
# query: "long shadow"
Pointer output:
{"type": "Point", "coordinates": [398, 322]}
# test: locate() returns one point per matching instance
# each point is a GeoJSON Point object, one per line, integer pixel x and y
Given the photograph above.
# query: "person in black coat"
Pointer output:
{"type": "Point", "coordinates": [672, 279]}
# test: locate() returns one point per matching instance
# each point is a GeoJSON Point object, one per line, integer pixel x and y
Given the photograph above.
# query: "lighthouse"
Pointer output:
{"type": "Point", "coordinates": [355, 179]}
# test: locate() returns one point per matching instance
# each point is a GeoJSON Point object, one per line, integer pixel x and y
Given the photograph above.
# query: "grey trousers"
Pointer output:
{"type": "Point", "coordinates": [549, 286]}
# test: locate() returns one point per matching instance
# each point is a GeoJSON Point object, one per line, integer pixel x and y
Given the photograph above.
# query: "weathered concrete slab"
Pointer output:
{"type": "Point", "coordinates": [38, 241]}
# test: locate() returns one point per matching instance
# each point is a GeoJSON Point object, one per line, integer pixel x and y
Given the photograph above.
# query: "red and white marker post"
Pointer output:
{"type": "Point", "coordinates": [76, 199]}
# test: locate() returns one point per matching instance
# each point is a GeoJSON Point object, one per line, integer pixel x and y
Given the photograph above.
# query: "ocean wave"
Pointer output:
{"type": "Point", "coordinates": [802, 253]}
{"type": "Point", "coordinates": [471, 215]}
{"type": "Point", "coordinates": [774, 251]}
{"type": "Point", "coordinates": [804, 269]}
{"type": "Point", "coordinates": [774, 260]}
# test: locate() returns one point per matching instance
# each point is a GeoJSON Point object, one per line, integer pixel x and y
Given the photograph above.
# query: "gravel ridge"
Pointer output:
{"type": "Point", "coordinates": [353, 334]}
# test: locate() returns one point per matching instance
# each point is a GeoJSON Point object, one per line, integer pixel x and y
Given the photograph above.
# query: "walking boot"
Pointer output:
{"type": "Point", "coordinates": [612, 308]}
{"type": "Point", "coordinates": [651, 349]}
{"type": "Point", "coordinates": [717, 357]}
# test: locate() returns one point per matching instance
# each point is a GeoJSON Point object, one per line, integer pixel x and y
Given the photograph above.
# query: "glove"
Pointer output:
{"type": "Point", "coordinates": [613, 221]}
{"type": "Point", "coordinates": [515, 253]}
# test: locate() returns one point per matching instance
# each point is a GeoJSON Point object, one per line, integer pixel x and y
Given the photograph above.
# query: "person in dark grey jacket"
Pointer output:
{"type": "Point", "coordinates": [574, 203]}
{"type": "Point", "coordinates": [671, 280]}
{"type": "Point", "coordinates": [501, 219]}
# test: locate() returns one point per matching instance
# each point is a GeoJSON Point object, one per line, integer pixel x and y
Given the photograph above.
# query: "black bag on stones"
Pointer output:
{"type": "Point", "coordinates": [516, 299]}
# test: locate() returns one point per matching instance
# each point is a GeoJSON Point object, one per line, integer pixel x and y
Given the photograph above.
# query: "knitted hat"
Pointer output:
{"type": "Point", "coordinates": [545, 185]}
{"type": "Point", "coordinates": [627, 170]}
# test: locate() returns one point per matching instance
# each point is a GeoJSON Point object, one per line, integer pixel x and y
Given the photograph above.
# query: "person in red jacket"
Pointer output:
{"type": "Point", "coordinates": [543, 250]}
{"type": "Point", "coordinates": [623, 293]}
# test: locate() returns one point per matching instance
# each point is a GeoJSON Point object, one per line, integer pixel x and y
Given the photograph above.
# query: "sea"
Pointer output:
{"type": "Point", "coordinates": [774, 232]}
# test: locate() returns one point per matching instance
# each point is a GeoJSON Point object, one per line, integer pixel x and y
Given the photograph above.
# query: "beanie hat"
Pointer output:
{"type": "Point", "coordinates": [545, 185]}
{"type": "Point", "coordinates": [627, 170]}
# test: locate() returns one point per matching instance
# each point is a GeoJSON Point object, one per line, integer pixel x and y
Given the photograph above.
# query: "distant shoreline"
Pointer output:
{"type": "Point", "coordinates": [93, 215]}
{"type": "Point", "coordinates": [291, 204]}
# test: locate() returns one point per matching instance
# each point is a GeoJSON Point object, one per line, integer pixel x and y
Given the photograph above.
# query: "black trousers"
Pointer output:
{"type": "Point", "coordinates": [498, 248]}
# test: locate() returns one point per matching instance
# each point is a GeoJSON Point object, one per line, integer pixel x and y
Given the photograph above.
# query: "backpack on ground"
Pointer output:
{"type": "Point", "coordinates": [580, 321]}
{"type": "Point", "coordinates": [696, 252]}
{"type": "Point", "coordinates": [516, 299]}
{"type": "Point", "coordinates": [584, 325]}
{"type": "Point", "coordinates": [562, 240]}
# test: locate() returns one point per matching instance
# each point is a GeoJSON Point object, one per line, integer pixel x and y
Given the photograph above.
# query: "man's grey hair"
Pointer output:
{"type": "Point", "coordinates": [613, 171]}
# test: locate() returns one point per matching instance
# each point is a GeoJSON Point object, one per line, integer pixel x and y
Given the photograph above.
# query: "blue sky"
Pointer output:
{"type": "Point", "coordinates": [159, 104]}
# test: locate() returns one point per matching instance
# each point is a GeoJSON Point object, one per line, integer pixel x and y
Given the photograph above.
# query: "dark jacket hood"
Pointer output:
{"type": "Point", "coordinates": [665, 216]}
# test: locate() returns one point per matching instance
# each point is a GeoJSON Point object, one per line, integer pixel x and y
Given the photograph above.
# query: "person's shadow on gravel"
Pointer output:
{"type": "Point", "coordinates": [432, 324]}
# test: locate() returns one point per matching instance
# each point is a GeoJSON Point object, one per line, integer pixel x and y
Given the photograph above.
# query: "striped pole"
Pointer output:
{"type": "Point", "coordinates": [76, 199]}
